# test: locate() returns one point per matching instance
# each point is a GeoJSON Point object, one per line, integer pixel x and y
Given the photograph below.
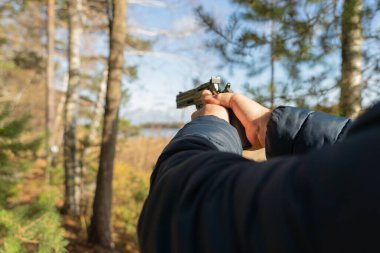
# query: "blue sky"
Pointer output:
{"type": "Point", "coordinates": [177, 57]}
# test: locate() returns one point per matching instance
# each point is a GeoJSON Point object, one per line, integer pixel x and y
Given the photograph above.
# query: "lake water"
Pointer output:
{"type": "Point", "coordinates": [157, 132]}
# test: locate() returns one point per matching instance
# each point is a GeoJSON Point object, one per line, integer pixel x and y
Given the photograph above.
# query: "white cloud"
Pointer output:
{"type": "Point", "coordinates": [186, 25]}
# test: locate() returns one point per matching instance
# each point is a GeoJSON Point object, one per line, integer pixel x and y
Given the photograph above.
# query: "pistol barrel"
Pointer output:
{"type": "Point", "coordinates": [193, 96]}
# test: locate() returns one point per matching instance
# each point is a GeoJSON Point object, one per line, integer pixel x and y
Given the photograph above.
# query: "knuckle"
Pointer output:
{"type": "Point", "coordinates": [205, 92]}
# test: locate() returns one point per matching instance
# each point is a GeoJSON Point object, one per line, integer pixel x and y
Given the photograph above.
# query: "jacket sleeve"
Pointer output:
{"type": "Point", "coordinates": [205, 197]}
{"type": "Point", "coordinates": [293, 130]}
{"type": "Point", "coordinates": [181, 183]}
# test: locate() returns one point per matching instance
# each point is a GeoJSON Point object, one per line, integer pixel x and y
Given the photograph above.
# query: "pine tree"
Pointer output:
{"type": "Point", "coordinates": [24, 228]}
{"type": "Point", "coordinates": [12, 147]}
{"type": "Point", "coordinates": [33, 228]}
{"type": "Point", "coordinates": [266, 34]}
{"type": "Point", "coordinates": [305, 38]}
{"type": "Point", "coordinates": [351, 71]}
{"type": "Point", "coordinates": [100, 228]}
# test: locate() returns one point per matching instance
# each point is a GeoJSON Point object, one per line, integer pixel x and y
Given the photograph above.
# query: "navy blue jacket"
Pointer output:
{"type": "Point", "coordinates": [318, 192]}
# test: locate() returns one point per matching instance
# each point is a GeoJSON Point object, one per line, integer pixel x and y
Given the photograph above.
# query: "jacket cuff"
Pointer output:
{"type": "Point", "coordinates": [217, 131]}
{"type": "Point", "coordinates": [293, 130]}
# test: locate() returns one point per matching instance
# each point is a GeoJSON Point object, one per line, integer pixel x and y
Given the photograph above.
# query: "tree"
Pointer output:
{"type": "Point", "coordinates": [100, 228]}
{"type": "Point", "coordinates": [12, 146]}
{"type": "Point", "coordinates": [264, 34]}
{"type": "Point", "coordinates": [50, 107]}
{"type": "Point", "coordinates": [23, 227]}
{"type": "Point", "coordinates": [351, 70]}
{"type": "Point", "coordinates": [92, 133]}
{"type": "Point", "coordinates": [72, 170]}
{"type": "Point", "coordinates": [309, 39]}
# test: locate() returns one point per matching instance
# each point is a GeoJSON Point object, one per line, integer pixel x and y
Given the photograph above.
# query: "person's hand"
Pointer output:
{"type": "Point", "coordinates": [212, 109]}
{"type": "Point", "coordinates": [252, 115]}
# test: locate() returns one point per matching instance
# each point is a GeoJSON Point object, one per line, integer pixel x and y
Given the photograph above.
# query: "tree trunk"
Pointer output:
{"type": "Point", "coordinates": [50, 87]}
{"type": "Point", "coordinates": [58, 125]}
{"type": "Point", "coordinates": [272, 87]}
{"type": "Point", "coordinates": [98, 116]}
{"type": "Point", "coordinates": [100, 228]}
{"type": "Point", "coordinates": [89, 139]}
{"type": "Point", "coordinates": [72, 170]}
{"type": "Point", "coordinates": [351, 71]}
{"type": "Point", "coordinates": [272, 67]}
{"type": "Point", "coordinates": [96, 120]}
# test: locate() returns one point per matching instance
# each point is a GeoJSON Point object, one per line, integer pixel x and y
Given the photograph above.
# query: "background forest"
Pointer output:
{"type": "Point", "coordinates": [87, 97]}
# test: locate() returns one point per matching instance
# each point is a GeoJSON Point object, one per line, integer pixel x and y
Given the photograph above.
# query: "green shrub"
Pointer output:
{"type": "Point", "coordinates": [32, 228]}
{"type": "Point", "coordinates": [13, 151]}
{"type": "Point", "coordinates": [24, 228]}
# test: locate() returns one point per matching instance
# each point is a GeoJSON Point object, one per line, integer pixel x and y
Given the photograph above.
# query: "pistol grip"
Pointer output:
{"type": "Point", "coordinates": [235, 122]}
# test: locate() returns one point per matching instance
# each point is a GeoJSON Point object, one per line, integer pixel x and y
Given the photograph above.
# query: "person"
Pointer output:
{"type": "Point", "coordinates": [319, 191]}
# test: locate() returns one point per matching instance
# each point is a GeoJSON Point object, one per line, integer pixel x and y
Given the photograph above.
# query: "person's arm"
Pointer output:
{"type": "Point", "coordinates": [205, 200]}
{"type": "Point", "coordinates": [285, 130]}
{"type": "Point", "coordinates": [206, 133]}
{"type": "Point", "coordinates": [293, 130]}
{"type": "Point", "coordinates": [203, 151]}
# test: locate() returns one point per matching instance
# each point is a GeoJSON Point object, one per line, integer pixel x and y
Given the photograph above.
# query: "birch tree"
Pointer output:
{"type": "Point", "coordinates": [100, 228]}
{"type": "Point", "coordinates": [72, 170]}
{"type": "Point", "coordinates": [95, 126]}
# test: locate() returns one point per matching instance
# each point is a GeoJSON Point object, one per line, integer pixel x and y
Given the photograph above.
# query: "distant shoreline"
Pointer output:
{"type": "Point", "coordinates": [159, 132]}
{"type": "Point", "coordinates": [160, 125]}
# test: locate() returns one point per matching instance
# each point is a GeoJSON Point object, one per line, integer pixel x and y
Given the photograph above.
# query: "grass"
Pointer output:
{"type": "Point", "coordinates": [143, 152]}
{"type": "Point", "coordinates": [140, 152]}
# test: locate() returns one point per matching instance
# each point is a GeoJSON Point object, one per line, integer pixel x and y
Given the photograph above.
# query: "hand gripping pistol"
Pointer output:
{"type": "Point", "coordinates": [193, 97]}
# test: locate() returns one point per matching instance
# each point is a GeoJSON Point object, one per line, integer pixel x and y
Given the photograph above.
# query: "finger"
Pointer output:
{"type": "Point", "coordinates": [222, 99]}
{"type": "Point", "coordinates": [206, 93]}
{"type": "Point", "coordinates": [210, 99]}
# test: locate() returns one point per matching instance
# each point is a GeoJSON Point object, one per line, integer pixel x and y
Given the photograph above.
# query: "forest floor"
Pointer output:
{"type": "Point", "coordinates": [77, 239]}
